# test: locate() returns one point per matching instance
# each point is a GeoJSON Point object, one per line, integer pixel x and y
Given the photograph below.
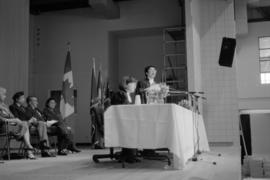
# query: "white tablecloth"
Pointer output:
{"type": "Point", "coordinates": [154, 126]}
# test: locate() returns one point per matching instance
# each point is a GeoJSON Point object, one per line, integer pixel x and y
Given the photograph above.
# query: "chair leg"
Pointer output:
{"type": "Point", "coordinates": [54, 143]}
{"type": "Point", "coordinates": [22, 149]}
{"type": "Point", "coordinates": [122, 160]}
{"type": "Point", "coordinates": [8, 147]}
{"type": "Point", "coordinates": [111, 153]}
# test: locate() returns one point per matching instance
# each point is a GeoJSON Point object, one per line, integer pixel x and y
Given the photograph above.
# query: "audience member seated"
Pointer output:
{"type": "Point", "coordinates": [33, 111]}
{"type": "Point", "coordinates": [123, 96]}
{"type": "Point", "coordinates": [17, 127]}
{"type": "Point", "coordinates": [35, 125]}
{"type": "Point", "coordinates": [66, 141]}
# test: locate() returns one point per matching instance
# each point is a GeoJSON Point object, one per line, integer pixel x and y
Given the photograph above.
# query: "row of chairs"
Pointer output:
{"type": "Point", "coordinates": [8, 137]}
{"type": "Point", "coordinates": [7, 147]}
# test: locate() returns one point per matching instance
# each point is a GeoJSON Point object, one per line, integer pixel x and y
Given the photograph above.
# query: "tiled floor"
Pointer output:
{"type": "Point", "coordinates": [81, 167]}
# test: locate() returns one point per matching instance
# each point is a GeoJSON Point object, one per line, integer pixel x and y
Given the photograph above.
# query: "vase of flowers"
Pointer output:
{"type": "Point", "coordinates": [156, 93]}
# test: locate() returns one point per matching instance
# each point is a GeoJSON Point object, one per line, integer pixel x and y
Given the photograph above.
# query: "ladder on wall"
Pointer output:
{"type": "Point", "coordinates": [175, 63]}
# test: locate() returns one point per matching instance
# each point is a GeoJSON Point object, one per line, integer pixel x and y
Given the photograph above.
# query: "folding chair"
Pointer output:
{"type": "Point", "coordinates": [9, 136]}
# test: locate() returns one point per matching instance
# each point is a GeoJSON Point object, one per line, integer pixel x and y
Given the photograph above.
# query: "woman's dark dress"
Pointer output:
{"type": "Point", "coordinates": [67, 138]}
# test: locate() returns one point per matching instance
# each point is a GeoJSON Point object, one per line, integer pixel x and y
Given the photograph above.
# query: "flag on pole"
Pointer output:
{"type": "Point", "coordinates": [94, 93]}
{"type": "Point", "coordinates": [107, 90]}
{"type": "Point", "coordinates": [99, 86]}
{"type": "Point", "coordinates": [67, 96]}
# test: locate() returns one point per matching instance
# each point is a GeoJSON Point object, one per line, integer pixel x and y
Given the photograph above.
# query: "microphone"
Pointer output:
{"type": "Point", "coordinates": [197, 96]}
{"type": "Point", "coordinates": [178, 92]}
{"type": "Point", "coordinates": [194, 92]}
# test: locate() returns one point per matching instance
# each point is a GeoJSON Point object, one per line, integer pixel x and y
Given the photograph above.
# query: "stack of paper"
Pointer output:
{"type": "Point", "coordinates": [266, 167]}
{"type": "Point", "coordinates": [256, 167]}
{"type": "Point", "coordinates": [51, 122]}
{"type": "Point", "coordinates": [246, 169]}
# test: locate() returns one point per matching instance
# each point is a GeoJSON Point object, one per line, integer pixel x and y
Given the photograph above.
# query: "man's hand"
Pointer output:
{"type": "Point", "coordinates": [32, 120]}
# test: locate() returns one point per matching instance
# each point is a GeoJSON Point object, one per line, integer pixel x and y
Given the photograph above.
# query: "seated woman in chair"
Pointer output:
{"type": "Point", "coordinates": [67, 139]}
{"type": "Point", "coordinates": [17, 127]}
{"type": "Point", "coordinates": [123, 96]}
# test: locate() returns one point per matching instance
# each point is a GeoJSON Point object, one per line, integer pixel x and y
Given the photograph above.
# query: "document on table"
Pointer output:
{"type": "Point", "coordinates": [51, 122]}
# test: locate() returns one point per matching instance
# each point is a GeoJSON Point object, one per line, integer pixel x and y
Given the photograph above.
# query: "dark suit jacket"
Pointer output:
{"type": "Point", "coordinates": [36, 113]}
{"type": "Point", "coordinates": [140, 89]}
{"type": "Point", "coordinates": [20, 112]}
{"type": "Point", "coordinates": [120, 97]}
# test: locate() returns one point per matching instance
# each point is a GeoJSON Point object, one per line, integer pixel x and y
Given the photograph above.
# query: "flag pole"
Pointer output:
{"type": "Point", "coordinates": [68, 46]}
{"type": "Point", "coordinates": [93, 82]}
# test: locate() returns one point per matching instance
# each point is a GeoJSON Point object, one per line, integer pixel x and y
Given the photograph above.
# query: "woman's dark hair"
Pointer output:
{"type": "Point", "coordinates": [126, 80]}
{"type": "Point", "coordinates": [146, 69]}
{"type": "Point", "coordinates": [17, 95]}
{"type": "Point", "coordinates": [48, 101]}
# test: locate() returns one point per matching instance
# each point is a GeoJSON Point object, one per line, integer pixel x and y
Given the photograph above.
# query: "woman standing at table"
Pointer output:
{"type": "Point", "coordinates": [150, 74]}
{"type": "Point", "coordinates": [124, 96]}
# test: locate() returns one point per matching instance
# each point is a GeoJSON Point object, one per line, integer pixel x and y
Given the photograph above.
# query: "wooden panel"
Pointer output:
{"type": "Point", "coordinates": [14, 45]}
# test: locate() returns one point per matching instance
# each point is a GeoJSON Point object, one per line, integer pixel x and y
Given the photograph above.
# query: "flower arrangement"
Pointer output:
{"type": "Point", "coordinates": [156, 93]}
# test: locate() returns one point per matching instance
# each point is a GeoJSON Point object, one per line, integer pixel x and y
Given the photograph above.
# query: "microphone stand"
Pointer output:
{"type": "Point", "coordinates": [194, 100]}
{"type": "Point", "coordinates": [195, 113]}
{"type": "Point", "coordinates": [194, 103]}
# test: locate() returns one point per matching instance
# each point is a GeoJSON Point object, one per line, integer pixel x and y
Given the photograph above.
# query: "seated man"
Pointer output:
{"type": "Point", "coordinates": [15, 126]}
{"type": "Point", "coordinates": [19, 111]}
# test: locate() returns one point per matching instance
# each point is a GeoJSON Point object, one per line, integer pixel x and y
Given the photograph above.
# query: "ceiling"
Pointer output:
{"type": "Point", "coordinates": [259, 3]}
{"type": "Point", "coordinates": [39, 6]}
{"type": "Point", "coordinates": [258, 10]}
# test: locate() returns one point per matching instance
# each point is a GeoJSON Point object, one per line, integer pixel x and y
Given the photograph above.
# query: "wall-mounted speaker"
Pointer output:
{"type": "Point", "coordinates": [227, 51]}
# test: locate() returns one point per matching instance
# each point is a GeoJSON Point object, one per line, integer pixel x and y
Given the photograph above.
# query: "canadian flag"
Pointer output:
{"type": "Point", "coordinates": [67, 96]}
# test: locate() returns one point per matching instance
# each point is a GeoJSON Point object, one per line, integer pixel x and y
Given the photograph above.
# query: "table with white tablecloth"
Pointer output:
{"type": "Point", "coordinates": [152, 126]}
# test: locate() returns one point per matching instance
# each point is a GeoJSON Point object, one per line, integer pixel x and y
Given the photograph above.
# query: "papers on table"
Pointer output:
{"type": "Point", "coordinates": [51, 122]}
{"type": "Point", "coordinates": [256, 167]}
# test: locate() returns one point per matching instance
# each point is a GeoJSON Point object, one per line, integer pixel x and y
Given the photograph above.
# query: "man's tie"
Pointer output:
{"type": "Point", "coordinates": [22, 109]}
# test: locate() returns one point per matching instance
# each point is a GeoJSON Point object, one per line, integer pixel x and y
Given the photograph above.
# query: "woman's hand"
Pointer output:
{"type": "Point", "coordinates": [14, 120]}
